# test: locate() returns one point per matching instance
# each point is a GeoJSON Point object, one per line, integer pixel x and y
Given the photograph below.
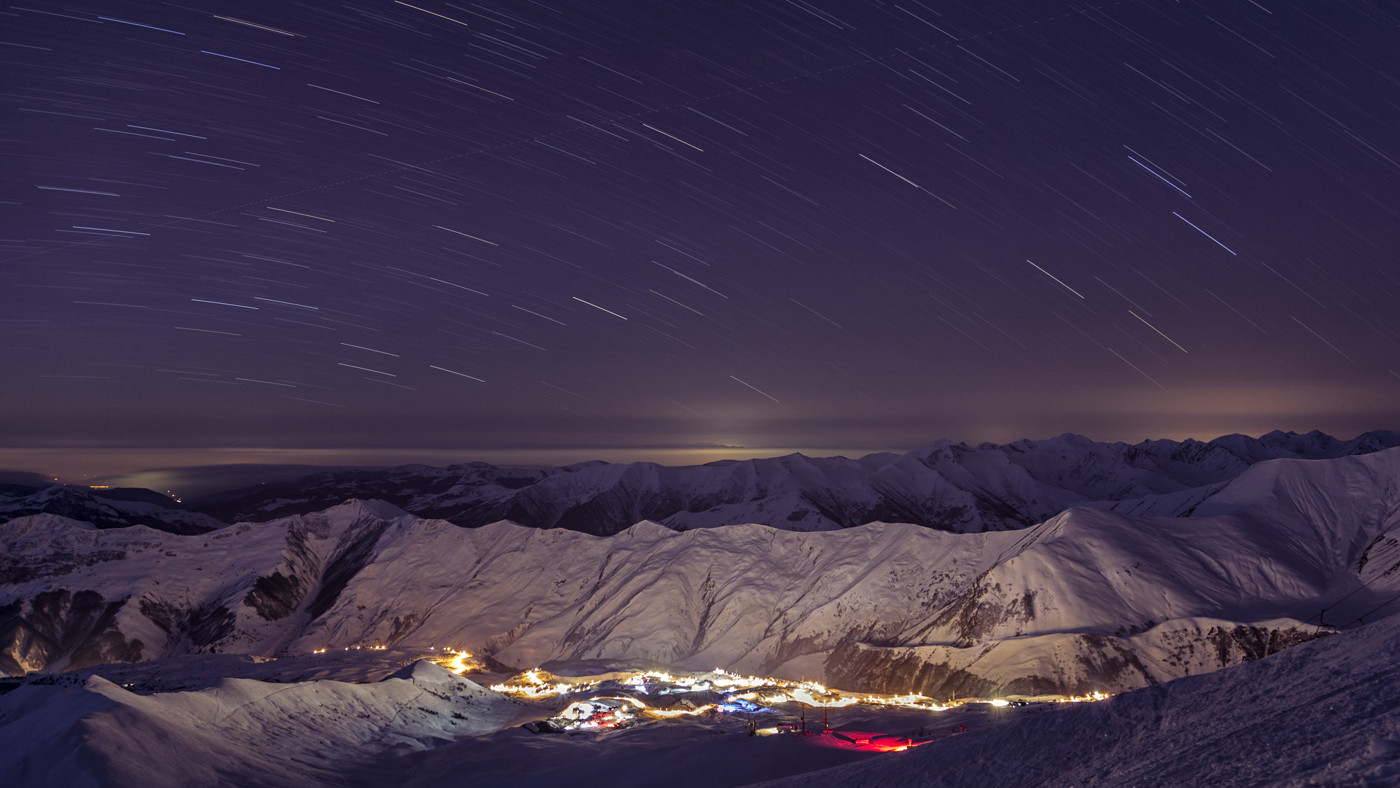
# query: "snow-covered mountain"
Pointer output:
{"type": "Point", "coordinates": [104, 508]}
{"type": "Point", "coordinates": [947, 486]}
{"type": "Point", "coordinates": [1089, 599]}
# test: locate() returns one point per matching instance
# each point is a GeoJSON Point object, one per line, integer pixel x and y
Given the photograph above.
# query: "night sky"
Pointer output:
{"type": "Point", "coordinates": [376, 231]}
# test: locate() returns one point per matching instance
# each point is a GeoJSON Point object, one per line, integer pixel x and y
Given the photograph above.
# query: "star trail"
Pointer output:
{"type": "Point", "coordinates": [386, 231]}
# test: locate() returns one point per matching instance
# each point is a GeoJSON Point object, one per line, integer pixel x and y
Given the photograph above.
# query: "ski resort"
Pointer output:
{"type": "Point", "coordinates": [883, 639]}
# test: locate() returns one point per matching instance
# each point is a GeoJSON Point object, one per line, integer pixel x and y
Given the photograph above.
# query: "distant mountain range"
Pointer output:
{"type": "Point", "coordinates": [945, 486]}
{"type": "Point", "coordinates": [105, 508]}
{"type": "Point", "coordinates": [1090, 598]}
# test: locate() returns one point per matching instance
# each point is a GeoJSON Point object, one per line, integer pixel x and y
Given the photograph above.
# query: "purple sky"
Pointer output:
{"type": "Point", "coordinates": [376, 232]}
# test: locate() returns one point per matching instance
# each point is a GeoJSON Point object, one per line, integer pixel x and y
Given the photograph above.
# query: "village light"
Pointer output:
{"type": "Point", "coordinates": [1092, 696]}
{"type": "Point", "coordinates": [748, 694]}
{"type": "Point", "coordinates": [458, 664]}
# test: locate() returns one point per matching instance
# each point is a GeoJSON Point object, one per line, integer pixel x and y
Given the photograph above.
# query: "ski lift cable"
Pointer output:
{"type": "Point", "coordinates": [1345, 597]}
{"type": "Point", "coordinates": [1377, 607]}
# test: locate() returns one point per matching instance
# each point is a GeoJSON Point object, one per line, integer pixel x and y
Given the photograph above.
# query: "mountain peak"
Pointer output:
{"type": "Point", "coordinates": [647, 529]}
{"type": "Point", "coordinates": [362, 508]}
{"type": "Point", "coordinates": [423, 671]}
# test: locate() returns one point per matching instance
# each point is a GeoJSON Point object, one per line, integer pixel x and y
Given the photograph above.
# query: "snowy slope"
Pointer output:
{"type": "Point", "coordinates": [137, 593]}
{"type": "Point", "coordinates": [1090, 599]}
{"type": "Point", "coordinates": [948, 486]}
{"type": "Point", "coordinates": [1324, 713]}
{"type": "Point", "coordinates": [238, 732]}
{"type": "Point", "coordinates": [1107, 597]}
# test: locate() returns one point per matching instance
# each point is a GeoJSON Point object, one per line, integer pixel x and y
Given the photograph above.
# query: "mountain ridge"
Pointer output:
{"type": "Point", "coordinates": [945, 485]}
{"type": "Point", "coordinates": [1089, 599]}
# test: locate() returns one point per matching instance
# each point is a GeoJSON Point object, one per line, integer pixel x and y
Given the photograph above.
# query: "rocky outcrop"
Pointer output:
{"type": "Point", "coordinates": [62, 628]}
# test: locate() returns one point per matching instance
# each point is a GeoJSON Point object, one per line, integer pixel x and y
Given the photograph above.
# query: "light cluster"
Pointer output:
{"type": "Point", "coordinates": [621, 700]}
